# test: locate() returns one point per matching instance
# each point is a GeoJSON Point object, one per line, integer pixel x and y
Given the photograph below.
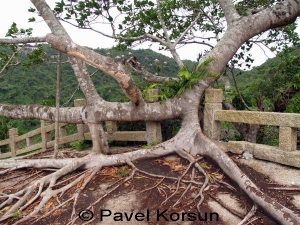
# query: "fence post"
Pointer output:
{"type": "Point", "coordinates": [153, 128]}
{"type": "Point", "coordinates": [288, 138]}
{"type": "Point", "coordinates": [111, 126]}
{"type": "Point", "coordinates": [46, 136]}
{"type": "Point", "coordinates": [62, 131]}
{"type": "Point", "coordinates": [213, 103]}
{"type": "Point", "coordinates": [29, 141]}
{"type": "Point", "coordinates": [81, 128]}
{"type": "Point", "coordinates": [13, 133]}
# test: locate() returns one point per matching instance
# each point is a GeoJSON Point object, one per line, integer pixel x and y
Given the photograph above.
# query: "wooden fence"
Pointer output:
{"type": "Point", "coordinates": [42, 138]}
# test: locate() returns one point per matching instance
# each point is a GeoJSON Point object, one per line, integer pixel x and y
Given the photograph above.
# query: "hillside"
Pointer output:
{"type": "Point", "coordinates": [19, 85]}
{"type": "Point", "coordinates": [262, 72]}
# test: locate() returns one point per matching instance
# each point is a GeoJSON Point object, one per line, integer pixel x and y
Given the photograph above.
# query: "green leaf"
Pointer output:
{"type": "Point", "coordinates": [110, 19]}
{"type": "Point", "coordinates": [183, 72]}
{"type": "Point", "coordinates": [32, 19]}
{"type": "Point", "coordinates": [31, 9]}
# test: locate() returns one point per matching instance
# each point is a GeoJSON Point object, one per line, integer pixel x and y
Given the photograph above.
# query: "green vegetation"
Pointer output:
{"type": "Point", "coordinates": [276, 83]}
{"type": "Point", "coordinates": [185, 79]}
{"type": "Point", "coordinates": [80, 145]}
{"type": "Point", "coordinates": [123, 171]}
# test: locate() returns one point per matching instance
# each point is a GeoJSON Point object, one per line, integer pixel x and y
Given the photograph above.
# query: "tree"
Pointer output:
{"type": "Point", "coordinates": [284, 96]}
{"type": "Point", "coordinates": [171, 24]}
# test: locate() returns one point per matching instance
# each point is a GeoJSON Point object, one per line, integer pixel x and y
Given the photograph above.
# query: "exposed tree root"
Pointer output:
{"type": "Point", "coordinates": [207, 148]}
{"type": "Point", "coordinates": [249, 214]}
{"type": "Point", "coordinates": [48, 187]}
{"type": "Point", "coordinates": [35, 191]}
{"type": "Point", "coordinates": [234, 212]}
{"type": "Point", "coordinates": [114, 187]}
{"type": "Point", "coordinates": [24, 181]}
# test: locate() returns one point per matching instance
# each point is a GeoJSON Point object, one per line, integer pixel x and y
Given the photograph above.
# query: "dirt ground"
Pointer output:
{"type": "Point", "coordinates": [140, 200]}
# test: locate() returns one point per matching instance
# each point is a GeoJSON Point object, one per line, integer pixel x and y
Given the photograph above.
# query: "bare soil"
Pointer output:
{"type": "Point", "coordinates": [146, 192]}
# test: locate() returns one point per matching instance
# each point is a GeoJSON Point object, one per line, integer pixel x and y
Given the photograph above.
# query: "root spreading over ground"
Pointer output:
{"type": "Point", "coordinates": [56, 183]}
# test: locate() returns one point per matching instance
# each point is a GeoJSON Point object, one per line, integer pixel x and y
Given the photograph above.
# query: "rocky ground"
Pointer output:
{"type": "Point", "coordinates": [140, 200]}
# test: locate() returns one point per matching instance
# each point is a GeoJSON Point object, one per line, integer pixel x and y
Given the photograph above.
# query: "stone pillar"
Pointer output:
{"type": "Point", "coordinates": [213, 103]}
{"type": "Point", "coordinates": [29, 141]}
{"type": "Point", "coordinates": [287, 138]}
{"type": "Point", "coordinates": [153, 132]}
{"type": "Point", "coordinates": [62, 131]}
{"type": "Point", "coordinates": [111, 127]}
{"type": "Point", "coordinates": [81, 128]}
{"type": "Point", "coordinates": [13, 133]}
{"type": "Point", "coordinates": [46, 136]}
{"type": "Point", "coordinates": [153, 128]}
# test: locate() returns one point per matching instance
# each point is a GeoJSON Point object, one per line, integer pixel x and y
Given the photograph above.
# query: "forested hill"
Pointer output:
{"type": "Point", "coordinates": [265, 70]}
{"type": "Point", "coordinates": [37, 84]}
{"type": "Point", "coordinates": [275, 84]}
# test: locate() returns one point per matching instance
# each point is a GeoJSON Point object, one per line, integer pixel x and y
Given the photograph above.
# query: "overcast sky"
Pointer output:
{"type": "Point", "coordinates": [17, 11]}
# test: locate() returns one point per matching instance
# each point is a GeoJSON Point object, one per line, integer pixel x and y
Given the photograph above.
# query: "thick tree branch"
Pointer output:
{"type": "Point", "coordinates": [79, 68]}
{"type": "Point", "coordinates": [245, 28]}
{"type": "Point", "coordinates": [157, 111]}
{"type": "Point", "coordinates": [66, 115]}
{"type": "Point", "coordinates": [119, 71]}
{"type": "Point", "coordinates": [230, 11]}
{"type": "Point", "coordinates": [103, 111]}
{"type": "Point", "coordinates": [22, 40]}
{"type": "Point", "coordinates": [283, 13]}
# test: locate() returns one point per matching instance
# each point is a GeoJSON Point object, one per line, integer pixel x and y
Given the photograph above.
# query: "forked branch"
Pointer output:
{"type": "Point", "coordinates": [118, 71]}
{"type": "Point", "coordinates": [138, 68]}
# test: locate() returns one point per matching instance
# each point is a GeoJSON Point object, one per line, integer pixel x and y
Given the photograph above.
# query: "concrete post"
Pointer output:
{"type": "Point", "coordinates": [213, 103]}
{"type": "Point", "coordinates": [153, 128]}
{"type": "Point", "coordinates": [81, 128]}
{"type": "Point", "coordinates": [13, 133]}
{"type": "Point", "coordinates": [29, 141]}
{"type": "Point", "coordinates": [62, 131]}
{"type": "Point", "coordinates": [111, 126]}
{"type": "Point", "coordinates": [287, 138]}
{"type": "Point", "coordinates": [153, 134]}
{"type": "Point", "coordinates": [46, 136]}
